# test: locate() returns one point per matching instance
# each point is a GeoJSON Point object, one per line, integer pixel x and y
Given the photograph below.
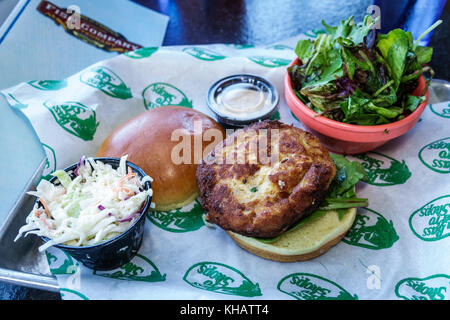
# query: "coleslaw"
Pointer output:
{"type": "Point", "coordinates": [98, 204]}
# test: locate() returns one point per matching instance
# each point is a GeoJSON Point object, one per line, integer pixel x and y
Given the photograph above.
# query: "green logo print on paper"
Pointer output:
{"type": "Point", "coordinates": [431, 222]}
{"type": "Point", "coordinates": [138, 269]}
{"type": "Point", "coordinates": [203, 53]}
{"type": "Point", "coordinates": [436, 155]}
{"type": "Point", "coordinates": [141, 53]}
{"type": "Point", "coordinates": [276, 116]}
{"type": "Point", "coordinates": [220, 278]}
{"type": "Point", "coordinates": [15, 103]}
{"type": "Point", "coordinates": [280, 47]}
{"type": "Point", "coordinates": [69, 294]}
{"type": "Point", "coordinates": [435, 287]}
{"type": "Point", "coordinates": [441, 110]}
{"type": "Point", "coordinates": [270, 62]}
{"type": "Point", "coordinates": [50, 162]}
{"type": "Point", "coordinates": [242, 46]}
{"type": "Point", "coordinates": [48, 85]}
{"type": "Point", "coordinates": [371, 231]}
{"type": "Point", "coordinates": [163, 94]}
{"type": "Point", "coordinates": [383, 170]}
{"type": "Point", "coordinates": [75, 118]}
{"type": "Point", "coordinates": [306, 286]}
{"type": "Point", "coordinates": [314, 33]}
{"type": "Point", "coordinates": [295, 117]}
{"type": "Point", "coordinates": [178, 220]}
{"type": "Point", "coordinates": [107, 81]}
{"type": "Point", "coordinates": [61, 263]}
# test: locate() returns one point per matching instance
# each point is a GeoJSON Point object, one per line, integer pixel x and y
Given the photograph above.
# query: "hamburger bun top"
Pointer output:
{"type": "Point", "coordinates": [167, 143]}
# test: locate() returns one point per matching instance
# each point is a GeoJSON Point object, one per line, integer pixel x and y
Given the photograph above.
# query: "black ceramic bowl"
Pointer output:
{"type": "Point", "coordinates": [119, 250]}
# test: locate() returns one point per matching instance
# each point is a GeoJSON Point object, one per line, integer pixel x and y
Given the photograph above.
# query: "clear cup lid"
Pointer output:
{"type": "Point", "coordinates": [241, 99]}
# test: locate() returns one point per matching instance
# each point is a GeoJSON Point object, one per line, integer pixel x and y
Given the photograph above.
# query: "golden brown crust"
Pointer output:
{"type": "Point", "coordinates": [147, 139]}
{"type": "Point", "coordinates": [259, 199]}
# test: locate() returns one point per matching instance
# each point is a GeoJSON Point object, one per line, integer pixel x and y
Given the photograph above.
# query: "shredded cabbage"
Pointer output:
{"type": "Point", "coordinates": [98, 204]}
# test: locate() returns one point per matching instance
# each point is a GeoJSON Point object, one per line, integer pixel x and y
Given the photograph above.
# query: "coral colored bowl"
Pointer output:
{"type": "Point", "coordinates": [346, 138]}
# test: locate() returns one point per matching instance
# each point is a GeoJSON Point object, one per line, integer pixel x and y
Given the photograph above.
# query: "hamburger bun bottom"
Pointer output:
{"type": "Point", "coordinates": [306, 242]}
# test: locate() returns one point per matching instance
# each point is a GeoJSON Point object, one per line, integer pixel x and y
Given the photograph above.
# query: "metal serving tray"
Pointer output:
{"type": "Point", "coordinates": [21, 263]}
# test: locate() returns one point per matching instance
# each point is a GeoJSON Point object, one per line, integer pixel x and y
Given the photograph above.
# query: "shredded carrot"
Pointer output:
{"type": "Point", "coordinates": [37, 213]}
{"type": "Point", "coordinates": [47, 212]}
{"type": "Point", "coordinates": [124, 178]}
{"type": "Point", "coordinates": [121, 188]}
{"type": "Point", "coordinates": [128, 176]}
{"type": "Point", "coordinates": [45, 222]}
{"type": "Point", "coordinates": [126, 190]}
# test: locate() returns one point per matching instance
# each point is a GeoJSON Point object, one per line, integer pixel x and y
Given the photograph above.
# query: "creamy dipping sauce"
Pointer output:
{"type": "Point", "coordinates": [241, 99]}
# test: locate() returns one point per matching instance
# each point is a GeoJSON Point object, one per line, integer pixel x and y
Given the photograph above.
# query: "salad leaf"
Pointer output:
{"type": "Point", "coordinates": [348, 173]}
{"type": "Point", "coordinates": [354, 75]}
{"type": "Point", "coordinates": [304, 50]}
{"type": "Point", "coordinates": [389, 113]}
{"type": "Point", "coordinates": [423, 54]}
{"type": "Point", "coordinates": [349, 32]}
{"type": "Point", "coordinates": [394, 48]}
{"type": "Point", "coordinates": [412, 102]}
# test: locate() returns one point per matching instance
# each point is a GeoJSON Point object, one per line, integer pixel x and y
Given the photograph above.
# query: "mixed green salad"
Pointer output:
{"type": "Point", "coordinates": [352, 74]}
{"type": "Point", "coordinates": [341, 194]}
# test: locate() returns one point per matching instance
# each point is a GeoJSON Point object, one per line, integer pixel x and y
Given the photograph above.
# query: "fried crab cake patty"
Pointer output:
{"type": "Point", "coordinates": [263, 178]}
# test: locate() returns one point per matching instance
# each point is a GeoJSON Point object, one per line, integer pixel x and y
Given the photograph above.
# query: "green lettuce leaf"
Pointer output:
{"type": "Point", "coordinates": [304, 50]}
{"type": "Point", "coordinates": [350, 32]}
{"type": "Point", "coordinates": [412, 102]}
{"type": "Point", "coordinates": [423, 54]}
{"type": "Point", "coordinates": [394, 47]}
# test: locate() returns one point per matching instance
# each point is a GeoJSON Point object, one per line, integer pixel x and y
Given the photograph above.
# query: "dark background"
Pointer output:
{"type": "Point", "coordinates": [256, 22]}
{"type": "Point", "coordinates": [261, 22]}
